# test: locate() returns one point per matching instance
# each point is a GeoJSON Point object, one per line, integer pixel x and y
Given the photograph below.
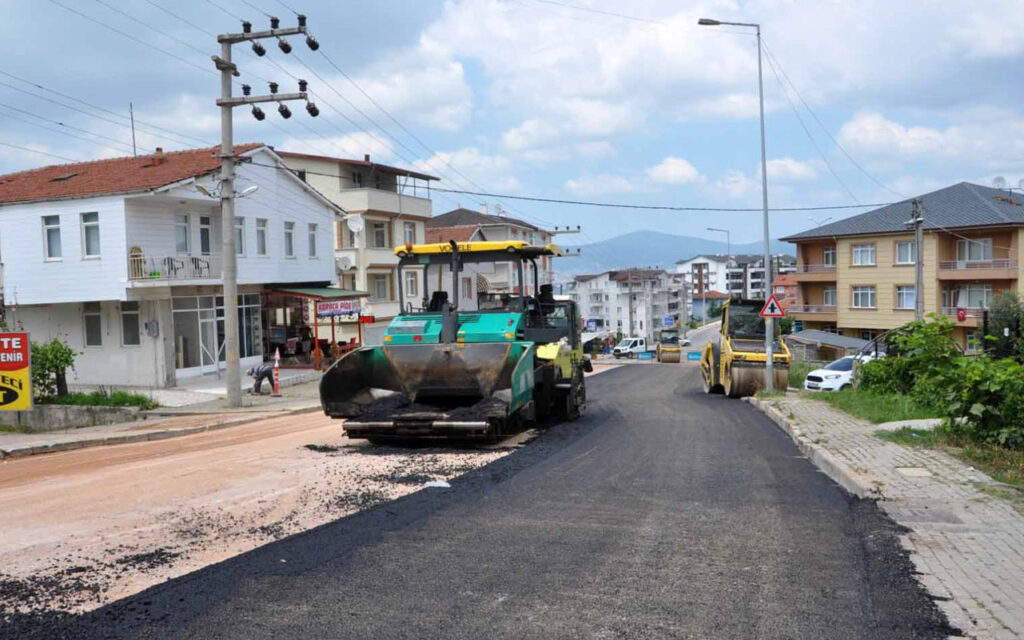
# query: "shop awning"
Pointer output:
{"type": "Point", "coordinates": [320, 293]}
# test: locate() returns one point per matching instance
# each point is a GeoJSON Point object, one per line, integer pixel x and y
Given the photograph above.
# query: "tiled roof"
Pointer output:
{"type": "Point", "coordinates": [462, 217]}
{"type": "Point", "coordinates": [958, 206]}
{"type": "Point", "coordinates": [110, 176]}
{"type": "Point", "coordinates": [623, 275]}
{"type": "Point", "coordinates": [458, 234]}
{"type": "Point", "coordinates": [711, 295]}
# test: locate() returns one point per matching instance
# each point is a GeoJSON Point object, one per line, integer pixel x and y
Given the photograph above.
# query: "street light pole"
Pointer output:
{"type": "Point", "coordinates": [769, 335]}
{"type": "Point", "coordinates": [728, 241]}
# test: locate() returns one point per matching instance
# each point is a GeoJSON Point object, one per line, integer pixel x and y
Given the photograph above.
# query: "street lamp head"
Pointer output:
{"type": "Point", "coordinates": [708, 22]}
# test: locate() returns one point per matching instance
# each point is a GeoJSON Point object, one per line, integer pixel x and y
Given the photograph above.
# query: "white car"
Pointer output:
{"type": "Point", "coordinates": [835, 376]}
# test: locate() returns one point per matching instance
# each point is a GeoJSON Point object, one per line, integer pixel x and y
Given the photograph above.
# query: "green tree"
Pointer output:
{"type": "Point", "coordinates": [50, 362]}
{"type": "Point", "coordinates": [1005, 321]}
{"type": "Point", "coordinates": [786, 325]}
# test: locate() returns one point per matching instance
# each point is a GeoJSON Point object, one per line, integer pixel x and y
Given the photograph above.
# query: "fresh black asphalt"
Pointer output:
{"type": "Point", "coordinates": [663, 513]}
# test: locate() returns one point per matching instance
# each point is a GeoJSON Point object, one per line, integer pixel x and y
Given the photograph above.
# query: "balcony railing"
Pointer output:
{"type": "Point", "coordinates": [178, 267]}
{"type": "Point", "coordinates": [815, 268]}
{"type": "Point", "coordinates": [977, 264]}
{"type": "Point", "coordinates": [974, 312]}
{"type": "Point", "coordinates": [812, 308]}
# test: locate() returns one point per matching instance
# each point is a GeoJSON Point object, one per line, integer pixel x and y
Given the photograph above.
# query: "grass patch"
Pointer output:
{"type": "Point", "coordinates": [1002, 465]}
{"type": "Point", "coordinates": [10, 428]}
{"type": "Point", "coordinates": [799, 370]}
{"type": "Point", "coordinates": [103, 399]}
{"type": "Point", "coordinates": [874, 407]}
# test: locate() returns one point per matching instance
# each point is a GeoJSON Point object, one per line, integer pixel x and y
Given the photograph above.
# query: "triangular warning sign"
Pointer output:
{"type": "Point", "coordinates": [772, 308]}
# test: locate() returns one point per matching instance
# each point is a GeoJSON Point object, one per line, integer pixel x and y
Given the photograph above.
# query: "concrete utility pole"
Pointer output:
{"type": "Point", "coordinates": [918, 222]}
{"type": "Point", "coordinates": [228, 69]}
{"type": "Point", "coordinates": [769, 336]}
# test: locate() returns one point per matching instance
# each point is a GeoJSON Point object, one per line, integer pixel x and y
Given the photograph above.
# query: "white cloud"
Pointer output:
{"type": "Point", "coordinates": [599, 185]}
{"type": "Point", "coordinates": [990, 34]}
{"type": "Point", "coordinates": [673, 170]}
{"type": "Point", "coordinates": [492, 173]}
{"type": "Point", "coordinates": [736, 185]}
{"type": "Point", "coordinates": [790, 169]}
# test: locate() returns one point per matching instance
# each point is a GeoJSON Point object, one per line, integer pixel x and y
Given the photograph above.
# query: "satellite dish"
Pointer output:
{"type": "Point", "coordinates": [344, 263]}
{"type": "Point", "coordinates": [999, 182]}
{"type": "Point", "coordinates": [1020, 184]}
{"type": "Point", "coordinates": [355, 223]}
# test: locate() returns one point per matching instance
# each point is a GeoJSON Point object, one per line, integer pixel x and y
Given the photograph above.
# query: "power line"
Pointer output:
{"type": "Point", "coordinates": [159, 31]}
{"type": "Point", "coordinates": [52, 155]}
{"type": "Point", "coordinates": [66, 133]}
{"type": "Point", "coordinates": [67, 126]}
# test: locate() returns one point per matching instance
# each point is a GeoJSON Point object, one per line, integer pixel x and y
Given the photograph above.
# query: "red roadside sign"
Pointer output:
{"type": "Point", "coordinates": [772, 308]}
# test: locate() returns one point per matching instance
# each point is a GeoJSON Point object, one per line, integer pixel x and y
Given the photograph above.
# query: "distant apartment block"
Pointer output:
{"type": "Point", "coordinates": [856, 276]}
{"type": "Point", "coordinates": [656, 296]}
{"type": "Point", "coordinates": [736, 275]}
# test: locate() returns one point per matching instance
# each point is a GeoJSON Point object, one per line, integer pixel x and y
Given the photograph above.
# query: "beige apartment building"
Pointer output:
{"type": "Point", "coordinates": [856, 276]}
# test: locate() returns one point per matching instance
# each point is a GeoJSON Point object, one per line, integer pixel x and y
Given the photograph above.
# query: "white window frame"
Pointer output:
{"type": "Point", "coordinates": [205, 232]}
{"type": "Point", "coordinates": [825, 291]}
{"type": "Point", "coordinates": [376, 226]}
{"type": "Point", "coordinates": [963, 295]}
{"type": "Point", "coordinates": [466, 288]}
{"type": "Point", "coordinates": [311, 236]}
{"type": "Point", "coordinates": [902, 292]}
{"type": "Point", "coordinates": [261, 236]}
{"type": "Point", "coordinates": [49, 225]}
{"type": "Point", "coordinates": [858, 255]}
{"type": "Point", "coordinates": [828, 256]}
{"type": "Point", "coordinates": [409, 232]}
{"type": "Point", "coordinates": [181, 221]}
{"type": "Point", "coordinates": [92, 313]}
{"type": "Point", "coordinates": [412, 284]}
{"type": "Point", "coordinates": [239, 236]}
{"type": "Point", "coordinates": [127, 313]}
{"type": "Point", "coordinates": [91, 225]}
{"type": "Point", "coordinates": [289, 239]}
{"type": "Point", "coordinates": [965, 246]}
{"type": "Point", "coordinates": [862, 290]}
{"type": "Point", "coordinates": [911, 246]}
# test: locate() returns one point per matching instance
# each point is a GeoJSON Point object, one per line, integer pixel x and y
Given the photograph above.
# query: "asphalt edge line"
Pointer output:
{"type": "Point", "coordinates": [857, 483]}
{"type": "Point", "coordinates": [71, 445]}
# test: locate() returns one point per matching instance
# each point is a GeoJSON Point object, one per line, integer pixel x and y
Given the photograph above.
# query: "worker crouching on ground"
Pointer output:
{"type": "Point", "coordinates": [260, 373]}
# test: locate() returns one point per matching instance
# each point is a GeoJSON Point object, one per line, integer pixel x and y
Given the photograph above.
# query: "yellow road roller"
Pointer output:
{"type": "Point", "coordinates": [735, 364]}
{"type": "Point", "coordinates": [670, 346]}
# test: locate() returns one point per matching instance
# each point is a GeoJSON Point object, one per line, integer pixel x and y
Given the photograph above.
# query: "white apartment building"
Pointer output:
{"type": "Point", "coordinates": [736, 275]}
{"type": "Point", "coordinates": [395, 205]}
{"type": "Point", "coordinates": [121, 259]}
{"type": "Point", "coordinates": [604, 299]}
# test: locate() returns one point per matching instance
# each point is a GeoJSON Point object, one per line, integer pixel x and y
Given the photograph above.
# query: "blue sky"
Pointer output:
{"type": "Point", "coordinates": [558, 99]}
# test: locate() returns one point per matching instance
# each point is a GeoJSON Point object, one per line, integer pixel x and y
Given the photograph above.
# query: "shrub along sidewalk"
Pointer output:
{"type": "Point", "coordinates": [966, 539]}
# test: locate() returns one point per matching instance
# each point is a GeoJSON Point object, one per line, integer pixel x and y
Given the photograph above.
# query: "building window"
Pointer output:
{"type": "Point", "coordinates": [205, 232]}
{"type": "Point", "coordinates": [261, 237]}
{"type": "Point", "coordinates": [130, 336]}
{"type": "Point", "coordinates": [91, 235]}
{"type": "Point", "coordinates": [92, 314]}
{"type": "Point", "coordinates": [867, 334]}
{"type": "Point", "coordinates": [864, 255]}
{"type": "Point", "coordinates": [467, 288]}
{"type": "Point", "coordinates": [51, 237]}
{"type": "Point", "coordinates": [410, 233]}
{"type": "Point", "coordinates": [357, 180]}
{"type": "Point", "coordinates": [975, 250]}
{"type": "Point", "coordinates": [863, 297]}
{"type": "Point", "coordinates": [312, 240]}
{"type": "Point", "coordinates": [181, 233]}
{"type": "Point", "coordinates": [289, 239]}
{"type": "Point", "coordinates": [380, 235]}
{"type": "Point", "coordinates": [411, 288]}
{"type": "Point", "coordinates": [828, 256]}
{"type": "Point", "coordinates": [971, 296]}
{"type": "Point", "coordinates": [379, 286]}
{"type": "Point", "coordinates": [974, 341]}
{"type": "Point", "coordinates": [239, 236]}
{"type": "Point", "coordinates": [906, 297]}
{"type": "Point", "coordinates": [906, 252]}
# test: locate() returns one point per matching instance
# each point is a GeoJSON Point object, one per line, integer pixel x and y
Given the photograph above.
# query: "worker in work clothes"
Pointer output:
{"type": "Point", "coordinates": [260, 373]}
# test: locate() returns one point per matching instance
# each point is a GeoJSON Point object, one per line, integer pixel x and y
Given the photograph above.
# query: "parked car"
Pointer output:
{"type": "Point", "coordinates": [836, 375]}
{"type": "Point", "coordinates": [630, 347]}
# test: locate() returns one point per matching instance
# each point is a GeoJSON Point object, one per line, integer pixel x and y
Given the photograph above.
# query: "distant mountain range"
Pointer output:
{"type": "Point", "coordinates": [650, 248]}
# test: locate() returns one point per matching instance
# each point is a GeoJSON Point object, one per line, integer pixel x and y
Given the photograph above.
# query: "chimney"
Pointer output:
{"type": "Point", "coordinates": [483, 208]}
{"type": "Point", "coordinates": [366, 157]}
{"type": "Point", "coordinates": [159, 157]}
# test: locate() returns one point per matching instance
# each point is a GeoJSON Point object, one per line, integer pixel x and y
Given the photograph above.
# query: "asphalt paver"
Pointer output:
{"type": "Point", "coordinates": [663, 513]}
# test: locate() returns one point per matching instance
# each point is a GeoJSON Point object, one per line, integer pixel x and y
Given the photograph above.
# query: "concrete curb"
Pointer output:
{"type": "Point", "coordinates": [21, 452]}
{"type": "Point", "coordinates": [859, 484]}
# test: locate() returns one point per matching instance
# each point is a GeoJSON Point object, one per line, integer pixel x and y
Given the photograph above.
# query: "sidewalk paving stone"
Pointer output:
{"type": "Point", "coordinates": [967, 545]}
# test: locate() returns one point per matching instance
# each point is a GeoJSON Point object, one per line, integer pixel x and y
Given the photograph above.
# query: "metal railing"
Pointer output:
{"type": "Point", "coordinates": [177, 267]}
{"type": "Point", "coordinates": [953, 265]}
{"type": "Point", "coordinates": [811, 308]}
{"type": "Point", "coordinates": [814, 268]}
{"type": "Point", "coordinates": [971, 312]}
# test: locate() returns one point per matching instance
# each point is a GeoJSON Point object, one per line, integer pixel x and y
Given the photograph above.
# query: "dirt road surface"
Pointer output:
{"type": "Point", "coordinates": [83, 528]}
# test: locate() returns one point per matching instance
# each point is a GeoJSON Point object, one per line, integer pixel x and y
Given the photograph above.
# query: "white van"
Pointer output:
{"type": "Point", "coordinates": [629, 347]}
